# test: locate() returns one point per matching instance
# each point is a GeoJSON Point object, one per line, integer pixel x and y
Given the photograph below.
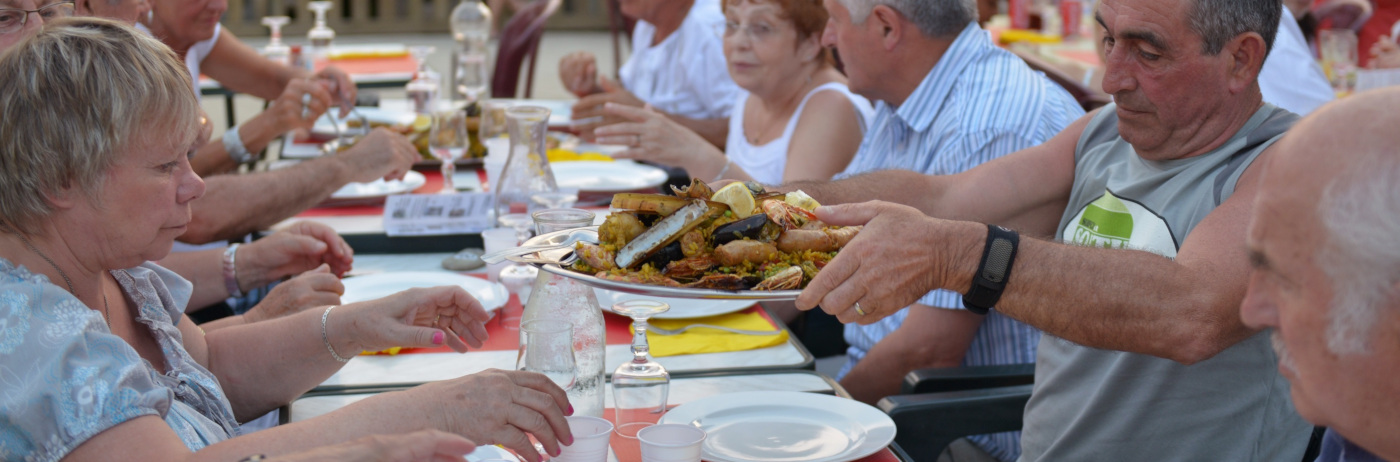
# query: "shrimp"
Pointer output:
{"type": "Point", "coordinates": [639, 278]}
{"type": "Point", "coordinates": [690, 268]}
{"type": "Point", "coordinates": [737, 252]}
{"type": "Point", "coordinates": [787, 279]}
{"type": "Point", "coordinates": [824, 240]}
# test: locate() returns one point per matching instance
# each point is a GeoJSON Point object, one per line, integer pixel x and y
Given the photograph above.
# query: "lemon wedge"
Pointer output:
{"type": "Point", "coordinates": [738, 197]}
{"type": "Point", "coordinates": [422, 123]}
{"type": "Point", "coordinates": [801, 200]}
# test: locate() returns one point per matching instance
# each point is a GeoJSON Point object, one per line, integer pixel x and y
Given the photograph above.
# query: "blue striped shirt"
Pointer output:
{"type": "Point", "coordinates": [978, 103]}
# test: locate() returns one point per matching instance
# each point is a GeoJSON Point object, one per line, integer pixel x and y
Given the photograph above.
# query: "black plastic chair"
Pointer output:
{"type": "Point", "coordinates": [941, 405]}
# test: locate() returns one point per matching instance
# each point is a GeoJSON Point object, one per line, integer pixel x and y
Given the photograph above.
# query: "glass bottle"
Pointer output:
{"type": "Point", "coordinates": [471, 30]}
{"type": "Point", "coordinates": [562, 298]}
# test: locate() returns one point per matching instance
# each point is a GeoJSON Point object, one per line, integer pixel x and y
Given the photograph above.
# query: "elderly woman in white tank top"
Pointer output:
{"type": "Point", "coordinates": [795, 121]}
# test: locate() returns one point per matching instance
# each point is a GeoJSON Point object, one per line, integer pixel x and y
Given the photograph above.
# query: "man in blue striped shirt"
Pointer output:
{"type": "Point", "coordinates": [949, 100]}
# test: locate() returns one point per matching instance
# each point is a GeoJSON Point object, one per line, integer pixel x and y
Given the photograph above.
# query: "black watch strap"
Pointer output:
{"type": "Point", "coordinates": [994, 270]}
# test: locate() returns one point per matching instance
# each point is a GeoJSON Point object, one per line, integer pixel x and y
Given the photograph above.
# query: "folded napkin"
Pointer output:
{"type": "Point", "coordinates": [565, 155]}
{"type": "Point", "coordinates": [711, 340]}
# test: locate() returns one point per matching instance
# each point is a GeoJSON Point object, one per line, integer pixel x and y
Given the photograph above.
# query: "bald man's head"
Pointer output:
{"type": "Point", "coordinates": [1324, 239]}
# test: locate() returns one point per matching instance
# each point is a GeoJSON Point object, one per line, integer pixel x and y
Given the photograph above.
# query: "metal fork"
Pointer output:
{"type": "Point", "coordinates": [659, 331]}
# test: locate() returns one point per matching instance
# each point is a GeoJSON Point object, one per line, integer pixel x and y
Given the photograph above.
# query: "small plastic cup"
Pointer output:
{"type": "Point", "coordinates": [671, 443]}
{"type": "Point", "coordinates": [551, 220]}
{"type": "Point", "coordinates": [591, 437]}
{"type": "Point", "coordinates": [498, 239]}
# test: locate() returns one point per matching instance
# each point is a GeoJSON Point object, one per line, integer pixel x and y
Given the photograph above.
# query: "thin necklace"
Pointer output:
{"type": "Point", "coordinates": [106, 310]}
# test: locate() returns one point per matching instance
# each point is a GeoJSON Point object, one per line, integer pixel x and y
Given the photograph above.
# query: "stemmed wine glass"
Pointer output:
{"type": "Point", "coordinates": [562, 198]}
{"type": "Point", "coordinates": [640, 386]}
{"type": "Point", "coordinates": [448, 140]}
{"type": "Point", "coordinates": [423, 89]}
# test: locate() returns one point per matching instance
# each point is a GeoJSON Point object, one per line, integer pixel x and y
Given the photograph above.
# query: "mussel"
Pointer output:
{"type": "Point", "coordinates": [756, 227]}
{"type": "Point", "coordinates": [671, 252]}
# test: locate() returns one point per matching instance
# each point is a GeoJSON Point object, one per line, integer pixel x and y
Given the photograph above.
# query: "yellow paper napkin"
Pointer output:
{"type": "Point", "coordinates": [714, 341]}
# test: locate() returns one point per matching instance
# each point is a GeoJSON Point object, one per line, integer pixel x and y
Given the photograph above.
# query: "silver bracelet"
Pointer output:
{"type": "Point", "coordinates": [231, 271]}
{"type": "Point", "coordinates": [724, 170]}
{"type": "Point", "coordinates": [233, 144]}
{"type": "Point", "coordinates": [327, 338]}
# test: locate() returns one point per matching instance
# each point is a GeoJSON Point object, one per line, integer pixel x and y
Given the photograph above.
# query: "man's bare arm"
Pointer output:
{"type": "Point", "coordinates": [929, 337]}
{"type": "Point", "coordinates": [235, 205]}
{"type": "Point", "coordinates": [1185, 309]}
{"type": "Point", "coordinates": [1025, 190]}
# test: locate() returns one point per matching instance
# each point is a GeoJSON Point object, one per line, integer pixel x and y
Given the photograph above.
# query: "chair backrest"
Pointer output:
{"type": "Point", "coordinates": [1086, 98]}
{"type": "Point", "coordinates": [520, 40]}
{"type": "Point", "coordinates": [620, 26]}
{"type": "Point", "coordinates": [926, 423]}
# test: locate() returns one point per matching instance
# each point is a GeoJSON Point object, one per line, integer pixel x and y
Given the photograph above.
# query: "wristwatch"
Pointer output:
{"type": "Point", "coordinates": [994, 270]}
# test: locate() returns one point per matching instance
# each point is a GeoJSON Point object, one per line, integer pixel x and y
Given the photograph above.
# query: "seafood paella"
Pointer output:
{"type": "Point", "coordinates": [740, 238]}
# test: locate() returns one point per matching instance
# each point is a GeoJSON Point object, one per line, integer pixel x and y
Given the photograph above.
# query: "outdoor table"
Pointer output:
{"type": "Point", "coordinates": [683, 390]}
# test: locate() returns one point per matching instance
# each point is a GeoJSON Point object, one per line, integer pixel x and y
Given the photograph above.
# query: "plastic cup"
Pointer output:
{"type": "Point", "coordinates": [591, 436]}
{"type": "Point", "coordinates": [497, 239]}
{"type": "Point", "coordinates": [551, 220]}
{"type": "Point", "coordinates": [671, 443]}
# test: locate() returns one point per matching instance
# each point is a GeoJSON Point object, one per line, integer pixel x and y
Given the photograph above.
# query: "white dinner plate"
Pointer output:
{"type": "Point", "coordinates": [681, 308]}
{"type": "Point", "coordinates": [325, 125]}
{"type": "Point", "coordinates": [779, 426]}
{"type": "Point", "coordinates": [616, 176]}
{"type": "Point", "coordinates": [372, 286]}
{"type": "Point", "coordinates": [380, 188]}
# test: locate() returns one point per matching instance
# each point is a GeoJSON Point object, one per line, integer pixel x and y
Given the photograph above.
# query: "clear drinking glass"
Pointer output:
{"type": "Point", "coordinates": [1338, 50]}
{"type": "Point", "coordinates": [547, 347]}
{"type": "Point", "coordinates": [473, 75]}
{"type": "Point", "coordinates": [640, 386]}
{"type": "Point", "coordinates": [560, 199]}
{"type": "Point", "coordinates": [423, 89]}
{"type": "Point", "coordinates": [448, 140]}
{"type": "Point", "coordinates": [551, 220]}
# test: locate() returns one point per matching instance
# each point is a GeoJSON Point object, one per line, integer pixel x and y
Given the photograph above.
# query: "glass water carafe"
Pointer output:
{"type": "Point", "coordinates": [527, 169]}
{"type": "Point", "coordinates": [561, 298]}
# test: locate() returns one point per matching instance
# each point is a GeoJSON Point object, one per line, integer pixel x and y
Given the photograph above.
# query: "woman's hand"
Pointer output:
{"type": "Point", "coordinates": [579, 71]}
{"type": "Point", "coordinates": [424, 445]}
{"type": "Point", "coordinates": [592, 106]}
{"type": "Point", "coordinates": [318, 287]}
{"type": "Point", "coordinates": [651, 136]}
{"type": "Point", "coordinates": [299, 105]}
{"type": "Point", "coordinates": [500, 407]}
{"type": "Point", "coordinates": [1385, 54]}
{"type": "Point", "coordinates": [294, 250]}
{"type": "Point", "coordinates": [413, 318]}
{"type": "Point", "coordinates": [341, 88]}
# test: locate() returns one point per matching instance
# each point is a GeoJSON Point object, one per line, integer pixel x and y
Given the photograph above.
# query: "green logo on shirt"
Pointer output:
{"type": "Point", "coordinates": [1106, 222]}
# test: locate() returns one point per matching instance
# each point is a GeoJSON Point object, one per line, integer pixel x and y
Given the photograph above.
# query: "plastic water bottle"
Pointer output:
{"type": "Point", "coordinates": [561, 298]}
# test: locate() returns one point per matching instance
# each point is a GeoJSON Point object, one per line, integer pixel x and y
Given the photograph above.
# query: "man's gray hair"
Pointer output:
{"type": "Point", "coordinates": [934, 18]}
{"type": "Point", "coordinates": [1360, 210]}
{"type": "Point", "coordinates": [73, 96]}
{"type": "Point", "coordinates": [1219, 21]}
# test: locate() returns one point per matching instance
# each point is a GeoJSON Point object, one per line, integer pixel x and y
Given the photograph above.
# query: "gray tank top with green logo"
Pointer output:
{"type": "Point", "coordinates": [1099, 405]}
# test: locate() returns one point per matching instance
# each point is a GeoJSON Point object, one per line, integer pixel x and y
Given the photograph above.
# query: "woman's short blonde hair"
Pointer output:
{"type": "Point", "coordinates": [75, 94]}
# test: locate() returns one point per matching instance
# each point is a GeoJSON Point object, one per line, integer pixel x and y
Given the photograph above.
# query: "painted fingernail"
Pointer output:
{"type": "Point", "coordinates": [571, 409]}
{"type": "Point", "coordinates": [437, 338]}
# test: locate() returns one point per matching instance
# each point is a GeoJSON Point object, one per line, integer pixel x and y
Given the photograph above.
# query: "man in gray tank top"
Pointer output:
{"type": "Point", "coordinates": [1144, 356]}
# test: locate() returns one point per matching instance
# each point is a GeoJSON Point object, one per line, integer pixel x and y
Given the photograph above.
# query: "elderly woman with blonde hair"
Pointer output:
{"type": "Point", "coordinates": [97, 359]}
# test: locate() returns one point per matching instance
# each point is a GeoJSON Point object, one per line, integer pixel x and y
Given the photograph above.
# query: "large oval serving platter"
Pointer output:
{"type": "Point", "coordinates": [634, 288]}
